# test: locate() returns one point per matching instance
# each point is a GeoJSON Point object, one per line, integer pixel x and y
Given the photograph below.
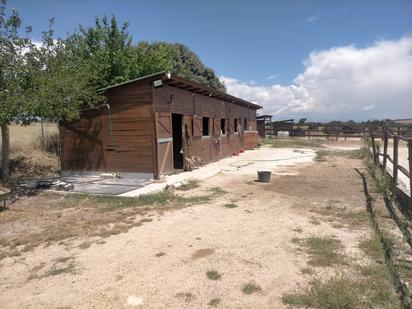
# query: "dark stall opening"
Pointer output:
{"type": "Point", "coordinates": [177, 141]}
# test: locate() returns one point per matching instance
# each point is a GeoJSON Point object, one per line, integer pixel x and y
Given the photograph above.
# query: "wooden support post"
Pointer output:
{"type": "Point", "coordinates": [395, 159]}
{"type": "Point", "coordinates": [373, 147]}
{"type": "Point", "coordinates": [410, 170]}
{"type": "Point", "coordinates": [385, 150]}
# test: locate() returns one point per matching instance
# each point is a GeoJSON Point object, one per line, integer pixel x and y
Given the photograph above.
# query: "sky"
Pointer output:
{"type": "Point", "coordinates": [319, 60]}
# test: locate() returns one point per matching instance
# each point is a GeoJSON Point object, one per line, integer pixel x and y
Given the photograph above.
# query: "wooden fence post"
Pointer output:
{"type": "Point", "coordinates": [410, 170]}
{"type": "Point", "coordinates": [385, 150]}
{"type": "Point", "coordinates": [395, 159]}
{"type": "Point", "coordinates": [373, 148]}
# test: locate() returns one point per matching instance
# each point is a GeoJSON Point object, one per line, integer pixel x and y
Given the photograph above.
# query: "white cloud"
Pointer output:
{"type": "Point", "coordinates": [368, 107]}
{"type": "Point", "coordinates": [274, 76]}
{"type": "Point", "coordinates": [342, 83]}
{"type": "Point", "coordinates": [313, 18]}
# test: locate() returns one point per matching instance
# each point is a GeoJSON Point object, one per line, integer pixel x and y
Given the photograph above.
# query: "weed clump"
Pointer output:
{"type": "Point", "coordinates": [250, 288]}
{"type": "Point", "coordinates": [230, 205]}
{"type": "Point", "coordinates": [370, 289]}
{"type": "Point", "coordinates": [323, 251]}
{"type": "Point", "coordinates": [214, 302]}
{"type": "Point", "coordinates": [213, 275]}
{"type": "Point", "coordinates": [189, 185]}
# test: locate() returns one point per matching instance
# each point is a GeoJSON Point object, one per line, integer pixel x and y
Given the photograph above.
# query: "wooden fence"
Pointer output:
{"type": "Point", "coordinates": [396, 138]}
{"type": "Point", "coordinates": [330, 131]}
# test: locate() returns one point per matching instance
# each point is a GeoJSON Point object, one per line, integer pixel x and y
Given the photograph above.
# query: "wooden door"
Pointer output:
{"type": "Point", "coordinates": [164, 143]}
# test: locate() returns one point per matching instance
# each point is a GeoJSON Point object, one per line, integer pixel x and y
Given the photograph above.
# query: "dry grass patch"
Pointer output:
{"type": "Point", "coordinates": [323, 251]}
{"type": "Point", "coordinates": [217, 191]}
{"type": "Point", "coordinates": [47, 218]}
{"type": "Point", "coordinates": [372, 247]}
{"type": "Point", "coordinates": [342, 215]}
{"type": "Point", "coordinates": [189, 185]}
{"type": "Point", "coordinates": [307, 271]}
{"type": "Point", "coordinates": [186, 296]}
{"type": "Point", "coordinates": [358, 154]}
{"type": "Point", "coordinates": [63, 265]}
{"type": "Point", "coordinates": [369, 289]}
{"type": "Point", "coordinates": [293, 143]}
{"type": "Point", "coordinates": [28, 159]}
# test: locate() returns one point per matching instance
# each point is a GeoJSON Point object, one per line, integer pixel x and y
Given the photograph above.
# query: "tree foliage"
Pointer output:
{"type": "Point", "coordinates": [108, 47]}
{"type": "Point", "coordinates": [115, 59]}
{"type": "Point", "coordinates": [47, 81]}
{"type": "Point", "coordinates": [63, 83]}
{"type": "Point", "coordinates": [16, 77]}
{"type": "Point", "coordinates": [176, 58]}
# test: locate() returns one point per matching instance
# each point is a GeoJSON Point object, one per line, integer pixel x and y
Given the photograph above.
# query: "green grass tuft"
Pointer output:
{"type": "Point", "coordinates": [217, 191]}
{"type": "Point", "coordinates": [213, 275]}
{"type": "Point", "coordinates": [230, 205]}
{"type": "Point", "coordinates": [250, 288]}
{"type": "Point", "coordinates": [189, 185]}
{"type": "Point", "coordinates": [293, 143]}
{"type": "Point", "coordinates": [372, 247]}
{"type": "Point", "coordinates": [323, 251]}
{"type": "Point", "coordinates": [214, 302]}
{"type": "Point", "coordinates": [307, 271]}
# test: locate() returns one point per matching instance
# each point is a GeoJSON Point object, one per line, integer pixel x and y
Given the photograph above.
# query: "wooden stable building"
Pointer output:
{"type": "Point", "coordinates": [157, 124]}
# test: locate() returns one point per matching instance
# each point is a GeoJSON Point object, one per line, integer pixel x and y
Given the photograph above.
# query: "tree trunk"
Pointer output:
{"type": "Point", "coordinates": [5, 147]}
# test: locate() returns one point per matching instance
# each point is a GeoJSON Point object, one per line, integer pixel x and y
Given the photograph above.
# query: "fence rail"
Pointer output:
{"type": "Point", "coordinates": [334, 131]}
{"type": "Point", "coordinates": [396, 133]}
{"type": "Point", "coordinates": [396, 167]}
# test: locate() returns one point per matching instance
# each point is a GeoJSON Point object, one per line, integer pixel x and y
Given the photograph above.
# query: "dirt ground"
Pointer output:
{"type": "Point", "coordinates": [161, 257]}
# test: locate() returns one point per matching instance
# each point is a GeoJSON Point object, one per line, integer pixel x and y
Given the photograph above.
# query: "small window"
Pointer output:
{"type": "Point", "coordinates": [205, 126]}
{"type": "Point", "coordinates": [245, 125]}
{"type": "Point", "coordinates": [223, 125]}
{"type": "Point", "coordinates": [236, 125]}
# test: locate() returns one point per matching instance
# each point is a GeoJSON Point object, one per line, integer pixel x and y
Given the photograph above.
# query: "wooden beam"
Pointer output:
{"type": "Point", "coordinates": [385, 150]}
{"type": "Point", "coordinates": [410, 170]}
{"type": "Point", "coordinates": [395, 159]}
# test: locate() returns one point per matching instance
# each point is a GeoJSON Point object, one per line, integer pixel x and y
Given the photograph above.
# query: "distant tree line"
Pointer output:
{"type": "Point", "coordinates": [54, 80]}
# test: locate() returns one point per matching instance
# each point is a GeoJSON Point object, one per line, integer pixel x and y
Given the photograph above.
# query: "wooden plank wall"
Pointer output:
{"type": "Point", "coordinates": [82, 142]}
{"type": "Point", "coordinates": [130, 147]}
{"type": "Point", "coordinates": [132, 124]}
{"type": "Point", "coordinates": [168, 99]}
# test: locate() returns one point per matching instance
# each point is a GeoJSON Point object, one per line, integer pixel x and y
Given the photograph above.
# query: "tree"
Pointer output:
{"type": "Point", "coordinates": [116, 59]}
{"type": "Point", "coordinates": [64, 83]}
{"type": "Point", "coordinates": [302, 120]}
{"type": "Point", "coordinates": [15, 77]}
{"type": "Point", "coordinates": [176, 58]}
{"type": "Point", "coordinates": [107, 47]}
{"type": "Point", "coordinates": [48, 81]}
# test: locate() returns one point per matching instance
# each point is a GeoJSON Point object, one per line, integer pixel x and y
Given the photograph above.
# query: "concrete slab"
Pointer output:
{"type": "Point", "coordinates": [247, 163]}
{"type": "Point", "coordinates": [94, 184]}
